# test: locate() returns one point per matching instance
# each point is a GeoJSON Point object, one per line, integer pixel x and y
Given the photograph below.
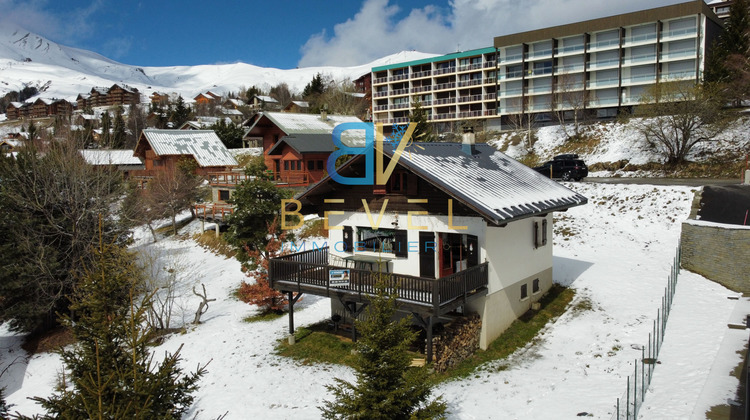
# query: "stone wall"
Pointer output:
{"type": "Point", "coordinates": [717, 251]}
{"type": "Point", "coordinates": [458, 341]}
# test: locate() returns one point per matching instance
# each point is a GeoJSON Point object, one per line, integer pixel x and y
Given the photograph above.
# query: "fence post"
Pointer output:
{"type": "Point", "coordinates": [635, 390]}
{"type": "Point", "coordinates": [627, 401]}
{"type": "Point", "coordinates": [618, 409]}
{"type": "Point", "coordinates": [643, 375]}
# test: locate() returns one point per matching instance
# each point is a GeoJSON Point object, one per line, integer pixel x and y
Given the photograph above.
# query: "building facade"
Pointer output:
{"type": "Point", "coordinates": [599, 66]}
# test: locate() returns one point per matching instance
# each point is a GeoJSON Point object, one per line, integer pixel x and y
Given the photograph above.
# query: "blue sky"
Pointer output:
{"type": "Point", "coordinates": [287, 34]}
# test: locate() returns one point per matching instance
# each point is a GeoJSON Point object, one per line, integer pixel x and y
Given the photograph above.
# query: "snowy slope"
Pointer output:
{"type": "Point", "coordinates": [64, 72]}
{"type": "Point", "coordinates": [615, 252]}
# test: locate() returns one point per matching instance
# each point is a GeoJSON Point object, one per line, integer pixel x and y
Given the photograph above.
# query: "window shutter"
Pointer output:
{"type": "Point", "coordinates": [544, 232]}
{"type": "Point", "coordinates": [536, 235]}
{"type": "Point", "coordinates": [348, 239]}
{"type": "Point", "coordinates": [400, 245]}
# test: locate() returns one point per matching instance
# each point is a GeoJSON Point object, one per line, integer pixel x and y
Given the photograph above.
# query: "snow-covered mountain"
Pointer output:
{"type": "Point", "coordinates": [64, 72]}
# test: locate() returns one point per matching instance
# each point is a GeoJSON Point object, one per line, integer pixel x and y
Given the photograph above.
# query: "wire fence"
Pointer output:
{"type": "Point", "coordinates": [643, 370]}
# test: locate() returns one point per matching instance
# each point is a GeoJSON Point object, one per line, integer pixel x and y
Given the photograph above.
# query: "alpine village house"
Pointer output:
{"type": "Point", "coordinates": [459, 228]}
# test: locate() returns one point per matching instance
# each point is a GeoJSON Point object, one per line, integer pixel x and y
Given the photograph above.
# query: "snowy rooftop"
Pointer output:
{"type": "Point", "coordinates": [266, 98]}
{"type": "Point", "coordinates": [110, 157]}
{"type": "Point", "coordinates": [296, 123]}
{"type": "Point", "coordinates": [204, 145]}
{"type": "Point", "coordinates": [498, 187]}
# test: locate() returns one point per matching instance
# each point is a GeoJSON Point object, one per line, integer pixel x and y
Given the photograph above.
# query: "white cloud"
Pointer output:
{"type": "Point", "coordinates": [35, 16]}
{"type": "Point", "coordinates": [375, 31]}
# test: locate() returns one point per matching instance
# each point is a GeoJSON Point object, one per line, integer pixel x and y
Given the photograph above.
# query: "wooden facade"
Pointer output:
{"type": "Point", "coordinates": [123, 95]}
{"type": "Point", "coordinates": [206, 98]}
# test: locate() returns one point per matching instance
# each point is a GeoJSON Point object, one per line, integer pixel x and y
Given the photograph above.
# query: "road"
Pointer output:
{"type": "Point", "coordinates": [691, 182]}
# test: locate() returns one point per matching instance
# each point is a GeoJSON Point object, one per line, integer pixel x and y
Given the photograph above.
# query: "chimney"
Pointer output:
{"type": "Point", "coordinates": [468, 143]}
{"type": "Point", "coordinates": [324, 113]}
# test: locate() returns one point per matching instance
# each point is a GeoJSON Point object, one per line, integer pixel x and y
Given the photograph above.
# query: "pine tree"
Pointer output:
{"type": "Point", "coordinates": [423, 130]}
{"type": "Point", "coordinates": [105, 138]}
{"type": "Point", "coordinates": [180, 113]}
{"type": "Point", "coordinates": [109, 372]}
{"type": "Point", "coordinates": [386, 388]}
{"type": "Point", "coordinates": [729, 61]}
{"type": "Point", "coordinates": [229, 134]}
{"type": "Point", "coordinates": [119, 136]}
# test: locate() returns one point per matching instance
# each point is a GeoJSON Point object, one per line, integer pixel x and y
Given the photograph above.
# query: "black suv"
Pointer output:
{"type": "Point", "coordinates": [568, 167]}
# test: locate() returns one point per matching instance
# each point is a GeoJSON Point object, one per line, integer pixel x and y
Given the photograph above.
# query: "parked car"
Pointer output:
{"type": "Point", "coordinates": [567, 167]}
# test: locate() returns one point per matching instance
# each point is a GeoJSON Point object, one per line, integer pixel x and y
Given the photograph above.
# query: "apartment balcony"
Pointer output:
{"type": "Point", "coordinates": [380, 108]}
{"type": "Point", "coordinates": [540, 107]}
{"type": "Point", "coordinates": [490, 64]}
{"type": "Point", "coordinates": [444, 86]}
{"type": "Point", "coordinates": [446, 116]}
{"type": "Point", "coordinates": [445, 70]}
{"type": "Point", "coordinates": [426, 103]}
{"type": "Point", "coordinates": [639, 59]}
{"type": "Point", "coordinates": [639, 80]}
{"type": "Point", "coordinates": [538, 55]}
{"type": "Point", "coordinates": [603, 45]}
{"type": "Point", "coordinates": [470, 67]}
{"type": "Point", "coordinates": [510, 109]}
{"type": "Point", "coordinates": [510, 75]}
{"type": "Point", "coordinates": [604, 64]}
{"type": "Point", "coordinates": [603, 102]}
{"type": "Point", "coordinates": [570, 68]}
{"type": "Point", "coordinates": [471, 98]}
{"type": "Point", "coordinates": [543, 72]}
{"type": "Point", "coordinates": [539, 90]}
{"type": "Point", "coordinates": [398, 106]}
{"type": "Point", "coordinates": [679, 34]}
{"type": "Point", "coordinates": [490, 96]}
{"type": "Point", "coordinates": [470, 114]}
{"type": "Point", "coordinates": [640, 40]}
{"type": "Point", "coordinates": [571, 50]}
{"type": "Point", "coordinates": [511, 92]}
{"type": "Point", "coordinates": [631, 100]}
{"type": "Point", "coordinates": [421, 74]}
{"type": "Point", "coordinates": [515, 58]}
{"type": "Point", "coordinates": [309, 272]}
{"type": "Point", "coordinates": [603, 83]}
{"type": "Point", "coordinates": [398, 77]}
{"type": "Point", "coordinates": [490, 112]}
{"type": "Point", "coordinates": [381, 94]}
{"type": "Point", "coordinates": [398, 120]}
{"type": "Point", "coordinates": [398, 92]}
{"type": "Point", "coordinates": [681, 75]}
{"type": "Point", "coordinates": [473, 82]}
{"type": "Point", "coordinates": [678, 54]}
{"type": "Point", "coordinates": [444, 101]}
{"type": "Point", "coordinates": [379, 80]}
{"type": "Point", "coordinates": [418, 89]}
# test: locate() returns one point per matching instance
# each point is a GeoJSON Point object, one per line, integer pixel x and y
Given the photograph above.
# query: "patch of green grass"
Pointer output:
{"type": "Point", "coordinates": [317, 344]}
{"type": "Point", "coordinates": [522, 332]}
{"type": "Point", "coordinates": [270, 316]}
{"type": "Point", "coordinates": [216, 245]}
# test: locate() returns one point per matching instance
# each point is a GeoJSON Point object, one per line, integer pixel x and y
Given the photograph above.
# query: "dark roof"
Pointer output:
{"type": "Point", "coordinates": [304, 143]}
{"type": "Point", "coordinates": [498, 188]}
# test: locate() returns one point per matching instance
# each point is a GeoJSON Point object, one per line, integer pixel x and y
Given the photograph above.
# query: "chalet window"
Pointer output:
{"type": "Point", "coordinates": [320, 165]}
{"type": "Point", "coordinates": [524, 291]}
{"type": "Point", "coordinates": [535, 286]}
{"type": "Point", "coordinates": [544, 232]}
{"type": "Point", "coordinates": [158, 162]}
{"type": "Point", "coordinates": [223, 195]}
{"type": "Point", "coordinates": [382, 240]}
{"type": "Point", "coordinates": [286, 165]}
{"type": "Point", "coordinates": [299, 165]}
{"type": "Point", "coordinates": [310, 165]}
{"type": "Point", "coordinates": [398, 182]}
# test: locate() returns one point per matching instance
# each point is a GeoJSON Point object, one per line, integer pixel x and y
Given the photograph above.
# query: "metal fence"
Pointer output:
{"type": "Point", "coordinates": [643, 370]}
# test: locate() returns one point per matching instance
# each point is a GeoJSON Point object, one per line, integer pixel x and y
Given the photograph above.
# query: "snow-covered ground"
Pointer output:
{"type": "Point", "coordinates": [615, 252]}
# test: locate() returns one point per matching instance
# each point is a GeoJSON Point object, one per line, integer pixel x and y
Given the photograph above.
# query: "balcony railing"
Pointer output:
{"type": "Point", "coordinates": [308, 272]}
{"type": "Point", "coordinates": [679, 33]}
{"type": "Point", "coordinates": [420, 74]}
{"type": "Point", "coordinates": [470, 98]}
{"type": "Point", "coordinates": [226, 179]}
{"type": "Point", "coordinates": [472, 82]}
{"type": "Point", "coordinates": [444, 70]}
{"type": "Point", "coordinates": [418, 89]}
{"type": "Point", "coordinates": [468, 67]}
{"type": "Point", "coordinates": [214, 211]}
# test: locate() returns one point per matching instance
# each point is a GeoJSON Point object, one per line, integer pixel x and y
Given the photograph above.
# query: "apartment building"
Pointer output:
{"type": "Point", "coordinates": [598, 66]}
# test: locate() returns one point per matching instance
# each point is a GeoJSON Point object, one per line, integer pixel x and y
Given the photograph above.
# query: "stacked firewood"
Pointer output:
{"type": "Point", "coordinates": [458, 341]}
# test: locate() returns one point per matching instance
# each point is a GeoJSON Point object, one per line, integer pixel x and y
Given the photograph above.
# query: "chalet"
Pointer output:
{"type": "Point", "coordinates": [235, 115]}
{"type": "Point", "coordinates": [82, 101]}
{"type": "Point", "coordinates": [266, 129]}
{"type": "Point", "coordinates": [9, 145]}
{"type": "Point", "coordinates": [233, 103]}
{"type": "Point", "coordinates": [302, 158]}
{"type": "Point", "coordinates": [159, 98]}
{"type": "Point", "coordinates": [97, 97]}
{"type": "Point", "coordinates": [123, 95]}
{"type": "Point", "coordinates": [297, 107]}
{"type": "Point", "coordinates": [16, 110]}
{"type": "Point", "coordinates": [263, 103]}
{"type": "Point", "coordinates": [121, 160]}
{"type": "Point", "coordinates": [44, 107]}
{"type": "Point", "coordinates": [160, 150]}
{"type": "Point", "coordinates": [206, 98]}
{"type": "Point", "coordinates": [460, 228]}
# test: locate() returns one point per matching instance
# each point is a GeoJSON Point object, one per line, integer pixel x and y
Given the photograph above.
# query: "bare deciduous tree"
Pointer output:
{"type": "Point", "coordinates": [569, 103]}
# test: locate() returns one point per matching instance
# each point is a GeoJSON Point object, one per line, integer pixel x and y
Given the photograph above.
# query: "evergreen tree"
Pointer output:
{"type": "Point", "coordinates": [119, 136]}
{"type": "Point", "coordinates": [386, 388]}
{"type": "Point", "coordinates": [105, 138]}
{"type": "Point", "coordinates": [423, 130]}
{"type": "Point", "coordinates": [109, 372]}
{"type": "Point", "coordinates": [729, 61]}
{"type": "Point", "coordinates": [180, 113]}
{"type": "Point", "coordinates": [32, 131]}
{"type": "Point", "coordinates": [230, 134]}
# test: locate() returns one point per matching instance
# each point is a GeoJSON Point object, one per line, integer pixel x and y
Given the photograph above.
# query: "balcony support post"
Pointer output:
{"type": "Point", "coordinates": [292, 300]}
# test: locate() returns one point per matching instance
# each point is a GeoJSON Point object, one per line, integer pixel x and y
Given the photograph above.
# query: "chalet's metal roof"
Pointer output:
{"type": "Point", "coordinates": [266, 98]}
{"type": "Point", "coordinates": [304, 143]}
{"type": "Point", "coordinates": [110, 157]}
{"type": "Point", "coordinates": [496, 186]}
{"type": "Point", "coordinates": [204, 145]}
{"type": "Point", "coordinates": [293, 123]}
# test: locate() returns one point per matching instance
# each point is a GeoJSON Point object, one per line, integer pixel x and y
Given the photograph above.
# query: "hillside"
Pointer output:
{"type": "Point", "coordinates": [28, 59]}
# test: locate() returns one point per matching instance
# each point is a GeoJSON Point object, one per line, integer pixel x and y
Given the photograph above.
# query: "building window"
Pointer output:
{"type": "Point", "coordinates": [310, 165]}
{"type": "Point", "coordinates": [320, 165]}
{"type": "Point", "coordinates": [540, 234]}
{"type": "Point", "coordinates": [286, 165]}
{"type": "Point", "coordinates": [535, 286]}
{"type": "Point", "coordinates": [524, 291]}
{"type": "Point", "coordinates": [544, 232]}
{"type": "Point", "coordinates": [398, 182]}
{"type": "Point", "coordinates": [158, 163]}
{"type": "Point", "coordinates": [299, 165]}
{"type": "Point", "coordinates": [223, 195]}
{"type": "Point", "coordinates": [382, 240]}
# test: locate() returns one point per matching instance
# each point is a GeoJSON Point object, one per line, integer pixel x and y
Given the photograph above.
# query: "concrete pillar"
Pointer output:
{"type": "Point", "coordinates": [747, 176]}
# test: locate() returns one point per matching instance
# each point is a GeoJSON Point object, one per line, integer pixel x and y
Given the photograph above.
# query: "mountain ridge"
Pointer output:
{"type": "Point", "coordinates": [59, 71]}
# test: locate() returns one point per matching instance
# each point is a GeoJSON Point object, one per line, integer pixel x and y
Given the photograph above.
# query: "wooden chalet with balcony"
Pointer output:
{"type": "Point", "coordinates": [123, 95]}
{"type": "Point", "coordinates": [308, 141]}
{"type": "Point", "coordinates": [456, 229]}
{"type": "Point", "coordinates": [161, 150]}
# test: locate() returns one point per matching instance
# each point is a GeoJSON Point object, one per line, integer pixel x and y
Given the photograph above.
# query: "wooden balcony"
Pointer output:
{"type": "Point", "coordinates": [226, 179]}
{"type": "Point", "coordinates": [308, 272]}
{"type": "Point", "coordinates": [214, 211]}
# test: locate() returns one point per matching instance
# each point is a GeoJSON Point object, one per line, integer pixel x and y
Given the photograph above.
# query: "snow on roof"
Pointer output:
{"type": "Point", "coordinates": [204, 145]}
{"type": "Point", "coordinates": [496, 186]}
{"type": "Point", "coordinates": [236, 102]}
{"type": "Point", "coordinates": [304, 143]}
{"type": "Point", "coordinates": [17, 104]}
{"type": "Point", "coordinates": [301, 104]}
{"type": "Point", "coordinates": [227, 111]}
{"type": "Point", "coordinates": [296, 123]}
{"type": "Point", "coordinates": [110, 157]}
{"type": "Point", "coordinates": [265, 98]}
